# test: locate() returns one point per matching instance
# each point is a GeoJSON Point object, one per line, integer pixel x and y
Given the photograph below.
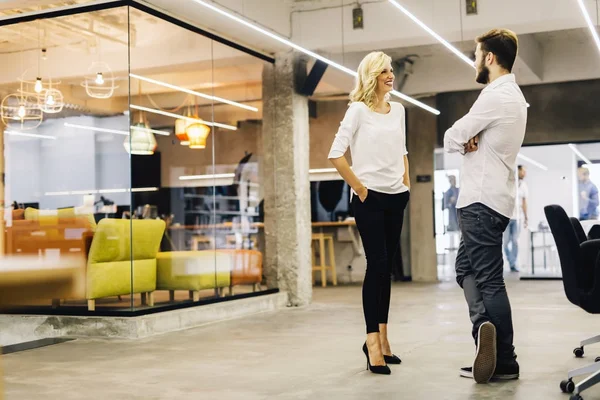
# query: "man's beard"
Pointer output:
{"type": "Point", "coordinates": [483, 75]}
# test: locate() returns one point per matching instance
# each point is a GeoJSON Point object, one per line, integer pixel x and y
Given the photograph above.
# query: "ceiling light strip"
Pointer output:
{"type": "Point", "coordinates": [163, 133]}
{"type": "Point", "coordinates": [115, 131]}
{"type": "Point", "coordinates": [32, 135]}
{"type": "Point", "coordinates": [96, 129]}
{"type": "Point", "coordinates": [178, 116]}
{"type": "Point", "coordinates": [194, 93]}
{"type": "Point", "coordinates": [437, 37]}
{"type": "Point", "coordinates": [590, 24]}
{"type": "Point", "coordinates": [205, 177]}
{"type": "Point", "coordinates": [432, 33]}
{"type": "Point", "coordinates": [308, 52]}
{"type": "Point", "coordinates": [322, 170]}
{"type": "Point", "coordinates": [532, 162]}
{"type": "Point", "coordinates": [230, 175]}
{"type": "Point", "coordinates": [579, 154]}
{"type": "Point", "coordinates": [101, 191]}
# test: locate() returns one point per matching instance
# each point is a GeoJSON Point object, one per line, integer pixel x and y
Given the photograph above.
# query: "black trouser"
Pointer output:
{"type": "Point", "coordinates": [479, 271]}
{"type": "Point", "coordinates": [379, 221]}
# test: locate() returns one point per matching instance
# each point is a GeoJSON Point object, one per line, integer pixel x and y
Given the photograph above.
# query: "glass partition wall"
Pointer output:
{"type": "Point", "coordinates": [132, 152]}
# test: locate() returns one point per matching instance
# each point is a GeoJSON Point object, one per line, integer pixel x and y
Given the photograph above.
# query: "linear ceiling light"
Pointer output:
{"type": "Point", "coordinates": [308, 52]}
{"type": "Point", "coordinates": [203, 177]}
{"type": "Point", "coordinates": [32, 135]}
{"type": "Point", "coordinates": [579, 154]}
{"type": "Point", "coordinates": [224, 176]}
{"type": "Point", "coordinates": [532, 162]}
{"type": "Point", "coordinates": [322, 170]}
{"type": "Point", "coordinates": [589, 22]}
{"type": "Point", "coordinates": [163, 133]}
{"type": "Point", "coordinates": [437, 37]}
{"type": "Point", "coordinates": [115, 131]}
{"type": "Point", "coordinates": [432, 33]}
{"type": "Point", "coordinates": [96, 129]}
{"type": "Point", "coordinates": [194, 93]}
{"type": "Point", "coordinates": [178, 116]}
{"type": "Point", "coordinates": [101, 191]}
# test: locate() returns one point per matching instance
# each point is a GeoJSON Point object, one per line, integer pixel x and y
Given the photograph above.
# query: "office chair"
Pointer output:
{"type": "Point", "coordinates": [593, 234]}
{"type": "Point", "coordinates": [580, 267]}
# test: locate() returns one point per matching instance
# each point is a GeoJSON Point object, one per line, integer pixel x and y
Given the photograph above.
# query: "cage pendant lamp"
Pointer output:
{"type": "Point", "coordinates": [20, 111]}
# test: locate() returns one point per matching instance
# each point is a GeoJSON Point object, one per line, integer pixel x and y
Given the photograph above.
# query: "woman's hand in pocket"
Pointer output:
{"type": "Point", "coordinates": [362, 194]}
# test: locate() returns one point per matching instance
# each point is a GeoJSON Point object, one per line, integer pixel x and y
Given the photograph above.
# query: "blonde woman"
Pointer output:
{"type": "Point", "coordinates": [374, 129]}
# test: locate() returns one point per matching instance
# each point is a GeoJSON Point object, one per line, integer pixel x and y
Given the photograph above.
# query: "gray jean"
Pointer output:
{"type": "Point", "coordinates": [479, 271]}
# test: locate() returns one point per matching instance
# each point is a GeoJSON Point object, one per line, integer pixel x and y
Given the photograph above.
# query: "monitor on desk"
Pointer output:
{"type": "Point", "coordinates": [330, 200]}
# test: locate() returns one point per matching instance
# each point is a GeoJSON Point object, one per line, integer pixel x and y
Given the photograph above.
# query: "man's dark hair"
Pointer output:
{"type": "Point", "coordinates": [503, 43]}
{"type": "Point", "coordinates": [520, 167]}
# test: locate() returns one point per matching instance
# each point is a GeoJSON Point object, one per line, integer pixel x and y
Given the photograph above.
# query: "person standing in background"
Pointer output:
{"type": "Point", "coordinates": [588, 196]}
{"type": "Point", "coordinates": [518, 220]}
{"type": "Point", "coordinates": [450, 198]}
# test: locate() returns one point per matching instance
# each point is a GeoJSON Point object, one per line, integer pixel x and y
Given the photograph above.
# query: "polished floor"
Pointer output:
{"type": "Point", "coordinates": [314, 353]}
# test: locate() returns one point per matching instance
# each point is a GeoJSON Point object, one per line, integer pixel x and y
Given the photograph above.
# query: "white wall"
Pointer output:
{"type": "Point", "coordinates": [113, 166]}
{"type": "Point", "coordinates": [78, 160]}
{"type": "Point", "coordinates": [555, 186]}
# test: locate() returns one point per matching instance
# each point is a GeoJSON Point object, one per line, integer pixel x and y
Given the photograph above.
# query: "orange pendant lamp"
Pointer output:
{"type": "Point", "coordinates": [181, 128]}
{"type": "Point", "coordinates": [192, 134]}
{"type": "Point", "coordinates": [197, 134]}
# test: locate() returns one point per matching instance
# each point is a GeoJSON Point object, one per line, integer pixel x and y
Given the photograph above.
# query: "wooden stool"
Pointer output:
{"type": "Point", "coordinates": [320, 239]}
{"type": "Point", "coordinates": [197, 239]}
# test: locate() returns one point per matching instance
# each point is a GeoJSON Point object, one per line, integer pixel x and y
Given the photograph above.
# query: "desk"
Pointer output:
{"type": "Point", "coordinates": [255, 227]}
{"type": "Point", "coordinates": [542, 240]}
{"type": "Point", "coordinates": [259, 225]}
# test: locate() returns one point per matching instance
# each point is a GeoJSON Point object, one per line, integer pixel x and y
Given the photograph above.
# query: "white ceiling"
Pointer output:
{"type": "Point", "coordinates": [555, 43]}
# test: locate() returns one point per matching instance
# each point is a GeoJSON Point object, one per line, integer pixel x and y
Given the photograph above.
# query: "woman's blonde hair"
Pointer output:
{"type": "Point", "coordinates": [366, 81]}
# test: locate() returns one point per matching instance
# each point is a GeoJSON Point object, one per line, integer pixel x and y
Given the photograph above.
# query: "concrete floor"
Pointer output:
{"type": "Point", "coordinates": [315, 353]}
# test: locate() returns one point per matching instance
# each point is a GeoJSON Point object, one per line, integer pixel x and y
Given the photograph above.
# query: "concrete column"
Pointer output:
{"type": "Point", "coordinates": [285, 140]}
{"type": "Point", "coordinates": [421, 138]}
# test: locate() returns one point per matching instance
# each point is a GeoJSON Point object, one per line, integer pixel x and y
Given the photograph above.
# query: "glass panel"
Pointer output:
{"type": "Point", "coordinates": [67, 172]}
{"type": "Point", "coordinates": [172, 86]}
{"type": "Point", "coordinates": [126, 160]}
{"type": "Point", "coordinates": [237, 149]}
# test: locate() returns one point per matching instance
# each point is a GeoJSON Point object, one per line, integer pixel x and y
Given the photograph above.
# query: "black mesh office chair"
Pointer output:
{"type": "Point", "coordinates": [593, 234]}
{"type": "Point", "coordinates": [580, 265]}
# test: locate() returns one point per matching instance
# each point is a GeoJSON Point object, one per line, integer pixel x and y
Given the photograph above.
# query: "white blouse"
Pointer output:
{"type": "Point", "coordinates": [377, 143]}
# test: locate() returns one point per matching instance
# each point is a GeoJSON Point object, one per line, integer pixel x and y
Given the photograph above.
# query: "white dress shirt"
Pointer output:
{"type": "Point", "coordinates": [487, 175]}
{"type": "Point", "coordinates": [377, 143]}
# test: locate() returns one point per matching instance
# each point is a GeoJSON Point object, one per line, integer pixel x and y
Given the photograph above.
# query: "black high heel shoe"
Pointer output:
{"type": "Point", "coordinates": [376, 369]}
{"type": "Point", "coordinates": [393, 359]}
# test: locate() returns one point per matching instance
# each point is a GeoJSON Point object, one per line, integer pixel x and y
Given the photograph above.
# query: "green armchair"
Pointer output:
{"type": "Point", "coordinates": [109, 268]}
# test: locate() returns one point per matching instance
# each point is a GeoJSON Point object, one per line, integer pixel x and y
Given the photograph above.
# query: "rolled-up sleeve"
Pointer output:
{"type": "Point", "coordinates": [346, 132]}
{"type": "Point", "coordinates": [486, 110]}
